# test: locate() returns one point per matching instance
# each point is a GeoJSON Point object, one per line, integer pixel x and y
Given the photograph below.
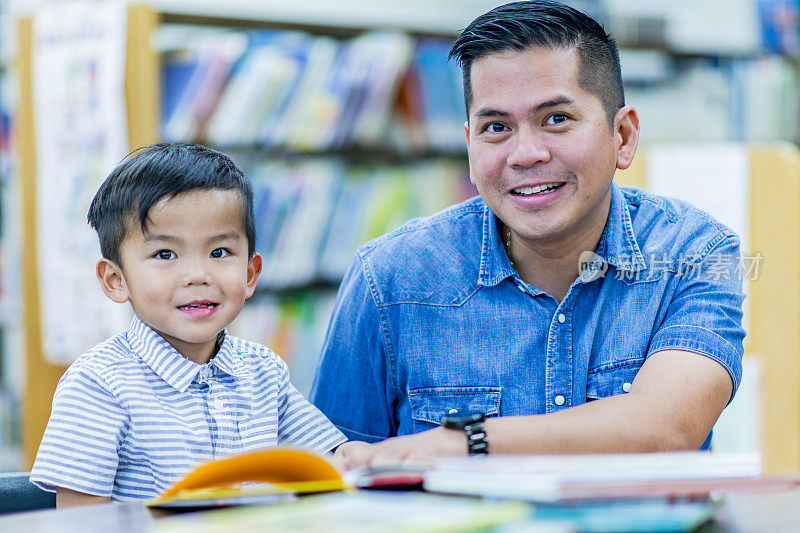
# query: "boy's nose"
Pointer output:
{"type": "Point", "coordinates": [196, 273]}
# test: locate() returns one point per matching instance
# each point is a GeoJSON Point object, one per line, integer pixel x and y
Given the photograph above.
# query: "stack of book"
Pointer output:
{"type": "Point", "coordinates": [544, 478]}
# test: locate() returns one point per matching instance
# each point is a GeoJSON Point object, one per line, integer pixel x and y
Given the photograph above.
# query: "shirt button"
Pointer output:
{"type": "Point", "coordinates": [559, 400]}
{"type": "Point", "coordinates": [204, 372]}
{"type": "Point", "coordinates": [217, 405]}
{"type": "Point", "coordinates": [626, 387]}
{"type": "Point", "coordinates": [452, 411]}
{"type": "Point", "coordinates": [561, 318]}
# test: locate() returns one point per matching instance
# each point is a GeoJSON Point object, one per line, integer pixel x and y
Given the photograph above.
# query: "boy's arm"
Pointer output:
{"type": "Point", "coordinates": [80, 447]}
{"type": "Point", "coordinates": [73, 498]}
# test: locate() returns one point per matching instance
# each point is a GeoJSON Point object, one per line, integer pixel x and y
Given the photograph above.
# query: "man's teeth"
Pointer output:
{"type": "Point", "coordinates": [538, 189]}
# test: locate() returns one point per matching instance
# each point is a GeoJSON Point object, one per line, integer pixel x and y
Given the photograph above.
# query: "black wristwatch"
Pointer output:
{"type": "Point", "coordinates": [474, 427]}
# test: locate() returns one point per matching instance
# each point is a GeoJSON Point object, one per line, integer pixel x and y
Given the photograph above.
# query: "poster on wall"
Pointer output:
{"type": "Point", "coordinates": [81, 134]}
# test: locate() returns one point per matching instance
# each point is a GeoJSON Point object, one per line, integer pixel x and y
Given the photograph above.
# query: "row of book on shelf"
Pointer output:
{"type": "Point", "coordinates": [293, 90]}
{"type": "Point", "coordinates": [299, 92]}
{"type": "Point", "coordinates": [312, 215]}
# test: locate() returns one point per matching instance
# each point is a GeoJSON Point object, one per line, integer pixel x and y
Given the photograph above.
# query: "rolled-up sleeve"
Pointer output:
{"type": "Point", "coordinates": [705, 315]}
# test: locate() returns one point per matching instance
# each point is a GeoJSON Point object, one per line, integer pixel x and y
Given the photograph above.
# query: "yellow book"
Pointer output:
{"type": "Point", "coordinates": [265, 476]}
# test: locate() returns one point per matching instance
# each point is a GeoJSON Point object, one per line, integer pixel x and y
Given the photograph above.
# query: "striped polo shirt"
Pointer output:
{"type": "Point", "coordinates": [132, 416]}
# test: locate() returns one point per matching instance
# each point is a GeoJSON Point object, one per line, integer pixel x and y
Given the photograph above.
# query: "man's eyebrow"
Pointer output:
{"type": "Point", "coordinates": [553, 102]}
{"type": "Point", "coordinates": [488, 112]}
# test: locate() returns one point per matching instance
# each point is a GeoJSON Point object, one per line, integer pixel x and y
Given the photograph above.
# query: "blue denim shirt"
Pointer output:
{"type": "Point", "coordinates": [433, 317]}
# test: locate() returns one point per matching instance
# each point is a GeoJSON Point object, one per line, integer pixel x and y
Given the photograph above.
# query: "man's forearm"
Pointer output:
{"type": "Point", "coordinates": [658, 414]}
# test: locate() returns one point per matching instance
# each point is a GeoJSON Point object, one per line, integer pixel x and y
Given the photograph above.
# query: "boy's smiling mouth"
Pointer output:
{"type": "Point", "coordinates": [199, 308]}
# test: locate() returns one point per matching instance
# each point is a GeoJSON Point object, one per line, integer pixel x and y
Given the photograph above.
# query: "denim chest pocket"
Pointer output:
{"type": "Point", "coordinates": [611, 380]}
{"type": "Point", "coordinates": [430, 404]}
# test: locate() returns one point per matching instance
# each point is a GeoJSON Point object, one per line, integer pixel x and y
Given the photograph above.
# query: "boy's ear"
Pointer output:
{"type": "Point", "coordinates": [253, 270]}
{"type": "Point", "coordinates": [112, 281]}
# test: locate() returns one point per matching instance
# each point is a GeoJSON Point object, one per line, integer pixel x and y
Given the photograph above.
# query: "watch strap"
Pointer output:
{"type": "Point", "coordinates": [477, 444]}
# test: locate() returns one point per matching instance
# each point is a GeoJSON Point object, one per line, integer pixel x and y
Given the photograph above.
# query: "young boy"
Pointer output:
{"type": "Point", "coordinates": [138, 411]}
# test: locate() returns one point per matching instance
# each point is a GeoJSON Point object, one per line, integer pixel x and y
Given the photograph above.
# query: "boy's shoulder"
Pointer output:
{"type": "Point", "coordinates": [254, 354]}
{"type": "Point", "coordinates": [104, 359]}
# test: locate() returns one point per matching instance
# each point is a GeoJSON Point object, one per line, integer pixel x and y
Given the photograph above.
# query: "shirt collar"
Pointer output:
{"type": "Point", "coordinates": [170, 365]}
{"type": "Point", "coordinates": [495, 264]}
{"type": "Point", "coordinates": [617, 245]}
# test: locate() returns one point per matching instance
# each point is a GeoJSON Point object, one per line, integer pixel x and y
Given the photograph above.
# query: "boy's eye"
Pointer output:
{"type": "Point", "coordinates": [165, 254]}
{"type": "Point", "coordinates": [220, 252]}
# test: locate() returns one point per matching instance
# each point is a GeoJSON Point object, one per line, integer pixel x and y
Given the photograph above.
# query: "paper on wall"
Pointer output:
{"type": "Point", "coordinates": [80, 123]}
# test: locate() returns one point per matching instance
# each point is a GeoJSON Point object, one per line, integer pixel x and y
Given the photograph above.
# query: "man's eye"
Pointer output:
{"type": "Point", "coordinates": [220, 252]}
{"type": "Point", "coordinates": [496, 127]}
{"type": "Point", "coordinates": [165, 254]}
{"type": "Point", "coordinates": [556, 118]}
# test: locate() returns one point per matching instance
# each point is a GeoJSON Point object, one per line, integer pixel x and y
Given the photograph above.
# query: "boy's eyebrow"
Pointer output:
{"type": "Point", "coordinates": [226, 236]}
{"type": "Point", "coordinates": [152, 237]}
{"type": "Point", "coordinates": [160, 237]}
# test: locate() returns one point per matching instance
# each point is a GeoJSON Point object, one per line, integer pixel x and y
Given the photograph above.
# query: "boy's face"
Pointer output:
{"type": "Point", "coordinates": [187, 276]}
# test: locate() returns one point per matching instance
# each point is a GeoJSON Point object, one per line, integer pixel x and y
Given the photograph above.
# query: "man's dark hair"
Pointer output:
{"type": "Point", "coordinates": [157, 171]}
{"type": "Point", "coordinates": [524, 25]}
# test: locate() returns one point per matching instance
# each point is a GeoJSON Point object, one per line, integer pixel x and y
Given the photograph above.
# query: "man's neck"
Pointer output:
{"type": "Point", "coordinates": [553, 266]}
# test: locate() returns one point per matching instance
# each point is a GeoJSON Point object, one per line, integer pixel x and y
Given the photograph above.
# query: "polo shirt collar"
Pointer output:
{"type": "Point", "coordinates": [170, 365]}
{"type": "Point", "coordinates": [617, 245]}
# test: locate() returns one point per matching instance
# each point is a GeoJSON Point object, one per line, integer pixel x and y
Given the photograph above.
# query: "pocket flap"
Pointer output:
{"type": "Point", "coordinates": [430, 404]}
{"type": "Point", "coordinates": [611, 380]}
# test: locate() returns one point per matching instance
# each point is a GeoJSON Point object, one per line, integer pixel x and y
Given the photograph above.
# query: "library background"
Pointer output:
{"type": "Point", "coordinates": [349, 120]}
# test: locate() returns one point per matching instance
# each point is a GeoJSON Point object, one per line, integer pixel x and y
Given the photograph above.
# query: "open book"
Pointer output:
{"type": "Point", "coordinates": [265, 476]}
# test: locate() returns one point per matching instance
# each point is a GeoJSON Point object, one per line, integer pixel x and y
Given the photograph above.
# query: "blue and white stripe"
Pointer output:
{"type": "Point", "coordinates": [131, 416]}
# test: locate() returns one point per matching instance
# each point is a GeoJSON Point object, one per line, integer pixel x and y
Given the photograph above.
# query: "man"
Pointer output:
{"type": "Point", "coordinates": [573, 315]}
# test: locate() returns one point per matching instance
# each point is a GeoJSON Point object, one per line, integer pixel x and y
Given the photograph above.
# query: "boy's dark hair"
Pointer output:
{"type": "Point", "coordinates": [523, 25]}
{"type": "Point", "coordinates": [157, 171]}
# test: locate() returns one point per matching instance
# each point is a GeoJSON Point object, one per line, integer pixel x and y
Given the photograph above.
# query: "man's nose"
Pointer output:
{"type": "Point", "coordinates": [528, 149]}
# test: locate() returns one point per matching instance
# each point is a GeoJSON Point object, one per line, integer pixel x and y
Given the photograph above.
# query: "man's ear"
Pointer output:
{"type": "Point", "coordinates": [253, 270]}
{"type": "Point", "coordinates": [112, 281]}
{"type": "Point", "coordinates": [626, 134]}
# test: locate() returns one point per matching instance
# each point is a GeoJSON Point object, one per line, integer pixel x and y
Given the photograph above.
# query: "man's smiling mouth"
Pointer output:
{"type": "Point", "coordinates": [539, 189]}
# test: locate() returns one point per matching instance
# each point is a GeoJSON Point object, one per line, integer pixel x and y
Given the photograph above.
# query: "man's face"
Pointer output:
{"type": "Point", "coordinates": [541, 151]}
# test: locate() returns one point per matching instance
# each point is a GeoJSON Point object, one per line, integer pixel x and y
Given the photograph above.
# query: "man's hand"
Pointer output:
{"type": "Point", "coordinates": [421, 447]}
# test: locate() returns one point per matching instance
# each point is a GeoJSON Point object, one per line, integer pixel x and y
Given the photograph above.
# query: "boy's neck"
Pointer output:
{"type": "Point", "coordinates": [200, 353]}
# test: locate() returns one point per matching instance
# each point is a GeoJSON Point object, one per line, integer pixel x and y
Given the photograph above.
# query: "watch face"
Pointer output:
{"type": "Point", "coordinates": [462, 420]}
